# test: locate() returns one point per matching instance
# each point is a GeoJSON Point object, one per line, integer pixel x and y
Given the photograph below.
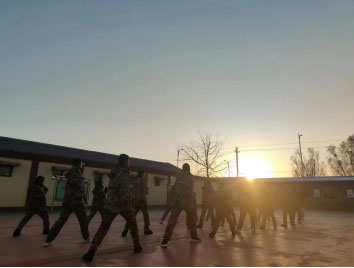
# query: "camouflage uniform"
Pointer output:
{"type": "Point", "coordinates": [37, 205]}
{"type": "Point", "coordinates": [73, 202]}
{"type": "Point", "coordinates": [118, 202]}
{"type": "Point", "coordinates": [246, 200]}
{"type": "Point", "coordinates": [224, 208]}
{"type": "Point", "coordinates": [207, 204]}
{"type": "Point", "coordinates": [99, 199]}
{"type": "Point", "coordinates": [182, 199]}
{"type": "Point", "coordinates": [139, 202]}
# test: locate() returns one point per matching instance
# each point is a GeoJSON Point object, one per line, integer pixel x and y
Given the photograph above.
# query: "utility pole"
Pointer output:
{"type": "Point", "coordinates": [302, 162]}
{"type": "Point", "coordinates": [236, 151]}
{"type": "Point", "coordinates": [228, 166]}
{"type": "Point", "coordinates": [178, 150]}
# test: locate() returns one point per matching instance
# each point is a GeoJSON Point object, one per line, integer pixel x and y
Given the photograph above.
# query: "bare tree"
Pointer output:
{"type": "Point", "coordinates": [205, 154]}
{"type": "Point", "coordinates": [341, 159]}
{"type": "Point", "coordinates": [312, 165]}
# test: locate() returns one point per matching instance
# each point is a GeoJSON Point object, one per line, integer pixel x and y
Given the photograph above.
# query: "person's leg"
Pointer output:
{"type": "Point", "coordinates": [166, 212]}
{"type": "Point", "coordinates": [242, 219]}
{"type": "Point", "coordinates": [190, 211]}
{"type": "Point", "coordinates": [172, 222]}
{"type": "Point", "coordinates": [216, 224]}
{"type": "Point", "coordinates": [264, 220]}
{"type": "Point", "coordinates": [45, 218]}
{"type": "Point", "coordinates": [202, 215]}
{"type": "Point", "coordinates": [145, 211]}
{"type": "Point", "coordinates": [253, 216]}
{"type": "Point", "coordinates": [82, 218]}
{"type": "Point", "coordinates": [54, 231]}
{"type": "Point", "coordinates": [231, 223]}
{"type": "Point", "coordinates": [129, 217]}
{"type": "Point", "coordinates": [274, 221]}
{"type": "Point", "coordinates": [93, 211]}
{"type": "Point", "coordinates": [107, 220]}
{"type": "Point", "coordinates": [285, 218]}
{"type": "Point", "coordinates": [22, 223]}
{"type": "Point", "coordinates": [292, 217]}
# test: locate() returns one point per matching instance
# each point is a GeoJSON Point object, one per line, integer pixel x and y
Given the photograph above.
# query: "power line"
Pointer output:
{"type": "Point", "coordinates": [278, 144]}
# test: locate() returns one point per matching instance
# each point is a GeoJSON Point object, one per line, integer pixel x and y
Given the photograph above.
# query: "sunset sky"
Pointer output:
{"type": "Point", "coordinates": [142, 77]}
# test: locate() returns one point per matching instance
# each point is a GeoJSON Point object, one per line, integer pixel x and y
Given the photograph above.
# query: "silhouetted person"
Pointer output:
{"type": "Point", "coordinates": [74, 200]}
{"type": "Point", "coordinates": [99, 199]}
{"type": "Point", "coordinates": [37, 205]}
{"type": "Point", "coordinates": [118, 202]}
{"type": "Point", "coordinates": [224, 208]}
{"type": "Point", "coordinates": [139, 202]}
{"type": "Point", "coordinates": [207, 203]}
{"type": "Point", "coordinates": [182, 199]}
{"type": "Point", "coordinates": [247, 203]}
{"type": "Point", "coordinates": [266, 206]}
{"type": "Point", "coordinates": [287, 204]}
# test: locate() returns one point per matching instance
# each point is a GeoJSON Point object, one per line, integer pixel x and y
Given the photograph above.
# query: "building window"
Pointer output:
{"type": "Point", "coordinates": [157, 180]}
{"type": "Point", "coordinates": [58, 172]}
{"type": "Point", "coordinates": [316, 193]}
{"type": "Point", "coordinates": [5, 170]}
{"type": "Point", "coordinates": [350, 193]}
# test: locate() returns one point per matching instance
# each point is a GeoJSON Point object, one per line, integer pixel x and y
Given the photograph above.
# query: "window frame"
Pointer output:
{"type": "Point", "coordinates": [11, 167]}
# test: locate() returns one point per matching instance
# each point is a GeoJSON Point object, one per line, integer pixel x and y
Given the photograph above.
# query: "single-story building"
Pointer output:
{"type": "Point", "coordinates": [21, 161]}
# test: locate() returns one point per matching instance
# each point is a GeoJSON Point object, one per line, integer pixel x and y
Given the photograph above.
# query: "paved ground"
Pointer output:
{"type": "Point", "coordinates": [325, 239]}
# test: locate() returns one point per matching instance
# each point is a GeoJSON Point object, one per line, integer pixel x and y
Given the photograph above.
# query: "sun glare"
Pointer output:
{"type": "Point", "coordinates": [254, 167]}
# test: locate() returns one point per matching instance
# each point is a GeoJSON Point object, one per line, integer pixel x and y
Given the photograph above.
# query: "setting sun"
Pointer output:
{"type": "Point", "coordinates": [255, 167]}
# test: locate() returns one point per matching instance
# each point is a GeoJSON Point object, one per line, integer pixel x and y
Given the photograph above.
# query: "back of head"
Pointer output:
{"type": "Point", "coordinates": [98, 181]}
{"type": "Point", "coordinates": [39, 180]}
{"type": "Point", "coordinates": [77, 162]}
{"type": "Point", "coordinates": [123, 160]}
{"type": "Point", "coordinates": [186, 168]}
{"type": "Point", "coordinates": [141, 173]}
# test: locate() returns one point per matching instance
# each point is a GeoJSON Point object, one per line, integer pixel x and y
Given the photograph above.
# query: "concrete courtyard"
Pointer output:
{"type": "Point", "coordinates": [324, 239]}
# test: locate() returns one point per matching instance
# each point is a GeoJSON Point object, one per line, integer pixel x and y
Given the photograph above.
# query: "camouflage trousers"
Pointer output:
{"type": "Point", "coordinates": [206, 209]}
{"type": "Point", "coordinates": [66, 211]}
{"type": "Point", "coordinates": [93, 212]}
{"type": "Point", "coordinates": [136, 208]}
{"type": "Point", "coordinates": [107, 220]}
{"type": "Point", "coordinates": [191, 221]}
{"type": "Point", "coordinates": [243, 213]}
{"type": "Point", "coordinates": [222, 214]}
{"type": "Point", "coordinates": [165, 214]}
{"type": "Point", "coordinates": [29, 214]}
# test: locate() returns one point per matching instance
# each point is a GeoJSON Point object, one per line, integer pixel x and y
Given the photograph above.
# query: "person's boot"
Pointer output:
{"type": "Point", "coordinates": [16, 233]}
{"type": "Point", "coordinates": [89, 255]}
{"type": "Point", "coordinates": [164, 243]}
{"type": "Point", "coordinates": [45, 231]}
{"type": "Point", "coordinates": [137, 249]}
{"type": "Point", "coordinates": [124, 233]}
{"type": "Point", "coordinates": [148, 232]}
{"type": "Point", "coordinates": [46, 243]}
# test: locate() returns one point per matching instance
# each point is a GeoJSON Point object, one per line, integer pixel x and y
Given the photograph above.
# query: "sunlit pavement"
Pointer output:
{"type": "Point", "coordinates": [324, 239]}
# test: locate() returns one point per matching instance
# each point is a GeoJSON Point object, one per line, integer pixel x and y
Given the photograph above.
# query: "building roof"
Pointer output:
{"type": "Point", "coordinates": [50, 150]}
{"type": "Point", "coordinates": [308, 179]}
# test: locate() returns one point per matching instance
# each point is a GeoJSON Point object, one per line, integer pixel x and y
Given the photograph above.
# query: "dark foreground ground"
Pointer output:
{"type": "Point", "coordinates": [324, 239]}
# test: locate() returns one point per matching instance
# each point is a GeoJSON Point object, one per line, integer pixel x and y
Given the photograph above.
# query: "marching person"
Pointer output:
{"type": "Point", "coordinates": [118, 202]}
{"type": "Point", "coordinates": [74, 200]}
{"type": "Point", "coordinates": [99, 199]}
{"type": "Point", "coordinates": [246, 200]}
{"type": "Point", "coordinates": [182, 199]}
{"type": "Point", "coordinates": [139, 202]}
{"type": "Point", "coordinates": [37, 205]}
{"type": "Point", "coordinates": [224, 208]}
{"type": "Point", "coordinates": [207, 203]}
